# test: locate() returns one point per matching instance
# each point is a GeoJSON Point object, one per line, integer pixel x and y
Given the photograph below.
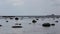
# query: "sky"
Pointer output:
{"type": "Point", "coordinates": [29, 7]}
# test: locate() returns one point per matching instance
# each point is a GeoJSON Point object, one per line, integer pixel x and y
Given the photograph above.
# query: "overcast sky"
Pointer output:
{"type": "Point", "coordinates": [29, 7]}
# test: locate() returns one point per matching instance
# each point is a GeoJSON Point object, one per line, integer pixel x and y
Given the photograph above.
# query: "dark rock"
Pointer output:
{"type": "Point", "coordinates": [57, 17]}
{"type": "Point", "coordinates": [16, 26]}
{"type": "Point", "coordinates": [57, 21]}
{"type": "Point", "coordinates": [6, 21]}
{"type": "Point", "coordinates": [11, 18]}
{"type": "Point", "coordinates": [16, 23]}
{"type": "Point", "coordinates": [53, 24]}
{"type": "Point", "coordinates": [46, 25]}
{"type": "Point", "coordinates": [34, 21]}
{"type": "Point", "coordinates": [16, 18]}
{"type": "Point", "coordinates": [20, 24]}
{"type": "Point", "coordinates": [0, 25]}
{"type": "Point", "coordinates": [37, 19]}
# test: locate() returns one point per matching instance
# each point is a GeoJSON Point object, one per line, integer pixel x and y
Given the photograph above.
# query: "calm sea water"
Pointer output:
{"type": "Point", "coordinates": [27, 28]}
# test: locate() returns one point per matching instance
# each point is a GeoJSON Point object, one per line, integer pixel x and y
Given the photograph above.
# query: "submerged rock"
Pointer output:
{"type": "Point", "coordinates": [57, 21]}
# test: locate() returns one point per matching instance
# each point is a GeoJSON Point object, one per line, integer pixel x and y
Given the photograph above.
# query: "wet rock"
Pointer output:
{"type": "Point", "coordinates": [16, 18]}
{"type": "Point", "coordinates": [16, 26]}
{"type": "Point", "coordinates": [0, 25]}
{"type": "Point", "coordinates": [52, 24]}
{"type": "Point", "coordinates": [6, 21]}
{"type": "Point", "coordinates": [20, 24]}
{"type": "Point", "coordinates": [37, 19]}
{"type": "Point", "coordinates": [46, 25]}
{"type": "Point", "coordinates": [34, 21]}
{"type": "Point", "coordinates": [16, 23]}
{"type": "Point", "coordinates": [11, 18]}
